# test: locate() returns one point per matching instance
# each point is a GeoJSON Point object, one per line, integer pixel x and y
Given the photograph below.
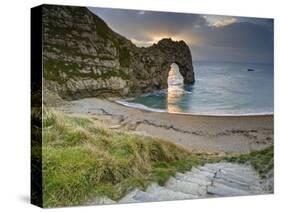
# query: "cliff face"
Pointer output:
{"type": "Point", "coordinates": [83, 57]}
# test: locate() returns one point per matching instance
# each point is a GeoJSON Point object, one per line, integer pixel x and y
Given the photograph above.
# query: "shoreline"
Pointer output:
{"type": "Point", "coordinates": [197, 133]}
{"type": "Point", "coordinates": [148, 109]}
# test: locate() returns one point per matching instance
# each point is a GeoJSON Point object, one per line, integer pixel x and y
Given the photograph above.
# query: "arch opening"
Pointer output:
{"type": "Point", "coordinates": [175, 89]}
{"type": "Point", "coordinates": [174, 76]}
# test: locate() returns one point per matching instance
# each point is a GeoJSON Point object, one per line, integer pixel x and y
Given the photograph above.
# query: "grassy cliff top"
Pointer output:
{"type": "Point", "coordinates": [83, 159]}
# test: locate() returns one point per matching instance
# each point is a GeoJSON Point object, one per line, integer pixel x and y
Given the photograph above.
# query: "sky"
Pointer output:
{"type": "Point", "coordinates": [210, 37]}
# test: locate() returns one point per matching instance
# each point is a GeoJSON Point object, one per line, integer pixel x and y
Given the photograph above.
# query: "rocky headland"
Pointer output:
{"type": "Point", "coordinates": [83, 57]}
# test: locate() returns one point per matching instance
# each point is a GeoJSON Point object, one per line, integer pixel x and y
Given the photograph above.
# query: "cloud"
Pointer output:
{"type": "Point", "coordinates": [211, 37]}
{"type": "Point", "coordinates": [146, 25]}
{"type": "Point", "coordinates": [239, 34]}
{"type": "Point", "coordinates": [219, 21]}
{"type": "Point", "coordinates": [239, 41]}
{"type": "Point", "coordinates": [225, 22]}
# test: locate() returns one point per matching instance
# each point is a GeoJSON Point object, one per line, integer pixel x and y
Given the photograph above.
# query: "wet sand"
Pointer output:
{"type": "Point", "coordinates": [198, 133]}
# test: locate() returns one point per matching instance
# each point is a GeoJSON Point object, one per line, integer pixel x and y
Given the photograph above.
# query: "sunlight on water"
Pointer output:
{"type": "Point", "coordinates": [175, 89]}
{"type": "Point", "coordinates": [220, 88]}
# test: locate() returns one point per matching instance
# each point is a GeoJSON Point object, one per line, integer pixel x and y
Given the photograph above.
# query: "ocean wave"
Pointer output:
{"type": "Point", "coordinates": [225, 114]}
{"type": "Point", "coordinates": [143, 107]}
{"type": "Point", "coordinates": [139, 106]}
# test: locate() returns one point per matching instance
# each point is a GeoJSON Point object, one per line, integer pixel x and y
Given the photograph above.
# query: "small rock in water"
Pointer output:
{"type": "Point", "coordinates": [250, 69]}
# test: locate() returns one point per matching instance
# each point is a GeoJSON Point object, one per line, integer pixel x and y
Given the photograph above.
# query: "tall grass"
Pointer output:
{"type": "Point", "coordinates": [83, 159]}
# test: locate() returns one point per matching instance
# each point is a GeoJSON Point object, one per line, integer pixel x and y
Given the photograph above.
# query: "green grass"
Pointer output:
{"type": "Point", "coordinates": [82, 159]}
{"type": "Point", "coordinates": [262, 161]}
{"type": "Point", "coordinates": [54, 67]}
{"type": "Point", "coordinates": [36, 155]}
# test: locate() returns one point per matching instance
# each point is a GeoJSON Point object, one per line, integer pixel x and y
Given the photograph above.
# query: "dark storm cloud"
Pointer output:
{"type": "Point", "coordinates": [211, 37]}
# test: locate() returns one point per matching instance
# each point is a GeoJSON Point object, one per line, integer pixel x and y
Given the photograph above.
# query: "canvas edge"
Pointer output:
{"type": "Point", "coordinates": [36, 106]}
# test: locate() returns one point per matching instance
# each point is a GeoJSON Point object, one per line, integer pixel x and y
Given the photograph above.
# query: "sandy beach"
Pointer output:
{"type": "Point", "coordinates": [214, 134]}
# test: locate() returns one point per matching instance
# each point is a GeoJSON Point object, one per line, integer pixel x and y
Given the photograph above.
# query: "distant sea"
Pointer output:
{"type": "Point", "coordinates": [220, 88]}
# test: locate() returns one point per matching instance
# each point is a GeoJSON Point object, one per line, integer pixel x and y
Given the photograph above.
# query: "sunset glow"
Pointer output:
{"type": "Point", "coordinates": [210, 37]}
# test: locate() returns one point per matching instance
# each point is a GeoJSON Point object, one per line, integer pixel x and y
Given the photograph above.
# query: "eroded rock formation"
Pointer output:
{"type": "Point", "coordinates": [83, 57]}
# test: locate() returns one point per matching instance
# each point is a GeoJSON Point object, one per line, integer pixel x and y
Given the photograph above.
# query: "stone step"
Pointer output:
{"type": "Point", "coordinates": [193, 178]}
{"type": "Point", "coordinates": [254, 185]}
{"type": "Point", "coordinates": [203, 173]}
{"type": "Point", "coordinates": [138, 196]}
{"type": "Point", "coordinates": [208, 170]}
{"type": "Point", "coordinates": [224, 165]}
{"type": "Point", "coordinates": [199, 175]}
{"type": "Point", "coordinates": [190, 188]}
{"type": "Point", "coordinates": [245, 177]}
{"type": "Point", "coordinates": [210, 180]}
{"type": "Point", "coordinates": [145, 197]}
{"type": "Point", "coordinates": [232, 168]}
{"type": "Point", "coordinates": [129, 198]}
{"type": "Point", "coordinates": [249, 180]}
{"type": "Point", "coordinates": [232, 184]}
{"type": "Point", "coordinates": [220, 189]}
{"type": "Point", "coordinates": [165, 194]}
{"type": "Point", "coordinates": [241, 170]}
{"type": "Point", "coordinates": [101, 201]}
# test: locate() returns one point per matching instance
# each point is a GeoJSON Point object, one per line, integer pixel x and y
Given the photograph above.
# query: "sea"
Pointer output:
{"type": "Point", "coordinates": [220, 88]}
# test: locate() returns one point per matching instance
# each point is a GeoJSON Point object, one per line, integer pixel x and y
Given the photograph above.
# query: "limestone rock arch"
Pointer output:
{"type": "Point", "coordinates": [159, 58]}
{"type": "Point", "coordinates": [83, 57]}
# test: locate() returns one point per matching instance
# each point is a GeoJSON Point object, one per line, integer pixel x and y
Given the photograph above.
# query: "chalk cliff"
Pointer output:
{"type": "Point", "coordinates": [83, 57]}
